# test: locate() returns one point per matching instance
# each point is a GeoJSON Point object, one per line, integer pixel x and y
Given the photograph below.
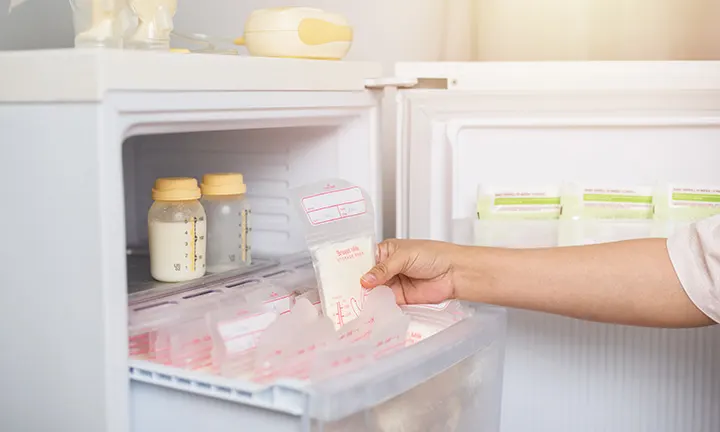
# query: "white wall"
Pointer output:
{"type": "Point", "coordinates": [598, 29]}
{"type": "Point", "coordinates": [36, 24]}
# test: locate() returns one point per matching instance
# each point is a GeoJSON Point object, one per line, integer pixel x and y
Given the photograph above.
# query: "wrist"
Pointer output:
{"type": "Point", "coordinates": [471, 272]}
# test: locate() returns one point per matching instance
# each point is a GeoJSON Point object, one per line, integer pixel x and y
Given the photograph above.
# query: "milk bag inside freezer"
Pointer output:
{"type": "Point", "coordinates": [340, 232]}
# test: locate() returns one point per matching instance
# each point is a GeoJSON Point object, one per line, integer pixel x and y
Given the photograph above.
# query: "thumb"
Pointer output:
{"type": "Point", "coordinates": [392, 264]}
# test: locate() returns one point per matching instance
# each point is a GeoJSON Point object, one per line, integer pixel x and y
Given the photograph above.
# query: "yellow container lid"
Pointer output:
{"type": "Point", "coordinates": [223, 184]}
{"type": "Point", "coordinates": [175, 189]}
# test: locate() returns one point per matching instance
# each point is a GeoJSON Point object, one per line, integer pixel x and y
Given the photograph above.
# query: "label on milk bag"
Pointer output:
{"type": "Point", "coordinates": [334, 205]}
{"type": "Point", "coordinates": [695, 197]}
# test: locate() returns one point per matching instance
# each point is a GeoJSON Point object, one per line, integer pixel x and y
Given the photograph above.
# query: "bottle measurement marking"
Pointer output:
{"type": "Point", "coordinates": [192, 242]}
{"type": "Point", "coordinates": [244, 233]}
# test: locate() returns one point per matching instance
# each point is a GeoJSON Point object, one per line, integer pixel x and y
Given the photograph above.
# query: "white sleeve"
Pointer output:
{"type": "Point", "coordinates": [695, 254]}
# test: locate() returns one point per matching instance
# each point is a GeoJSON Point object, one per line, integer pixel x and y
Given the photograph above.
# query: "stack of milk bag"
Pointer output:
{"type": "Point", "coordinates": [306, 318]}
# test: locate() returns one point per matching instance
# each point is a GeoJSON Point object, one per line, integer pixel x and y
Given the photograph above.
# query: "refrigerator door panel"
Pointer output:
{"type": "Point", "coordinates": [529, 125]}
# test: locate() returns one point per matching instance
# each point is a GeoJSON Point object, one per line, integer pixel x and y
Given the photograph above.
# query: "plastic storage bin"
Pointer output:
{"type": "Point", "coordinates": [448, 382]}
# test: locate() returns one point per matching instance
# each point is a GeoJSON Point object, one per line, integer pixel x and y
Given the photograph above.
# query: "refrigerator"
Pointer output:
{"type": "Point", "coordinates": [85, 133]}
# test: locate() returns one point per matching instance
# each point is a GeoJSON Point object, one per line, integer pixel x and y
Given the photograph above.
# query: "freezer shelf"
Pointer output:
{"type": "Point", "coordinates": [449, 382]}
{"type": "Point", "coordinates": [142, 287]}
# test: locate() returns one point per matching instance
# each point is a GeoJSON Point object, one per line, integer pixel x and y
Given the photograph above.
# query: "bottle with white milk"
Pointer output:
{"type": "Point", "coordinates": [177, 230]}
{"type": "Point", "coordinates": [228, 217]}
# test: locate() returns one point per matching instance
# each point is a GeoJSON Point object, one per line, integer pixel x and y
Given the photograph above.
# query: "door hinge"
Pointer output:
{"type": "Point", "coordinates": [381, 83]}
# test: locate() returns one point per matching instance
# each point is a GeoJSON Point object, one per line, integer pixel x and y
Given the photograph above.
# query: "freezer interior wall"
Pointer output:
{"type": "Point", "coordinates": [273, 161]}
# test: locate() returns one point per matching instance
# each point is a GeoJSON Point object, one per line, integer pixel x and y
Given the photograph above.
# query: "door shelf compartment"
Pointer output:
{"type": "Point", "coordinates": [552, 233]}
{"type": "Point", "coordinates": [451, 381]}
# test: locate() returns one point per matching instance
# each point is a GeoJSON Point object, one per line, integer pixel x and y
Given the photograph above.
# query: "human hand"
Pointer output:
{"type": "Point", "coordinates": [418, 271]}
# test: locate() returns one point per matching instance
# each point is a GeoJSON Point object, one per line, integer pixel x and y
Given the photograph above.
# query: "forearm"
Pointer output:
{"type": "Point", "coordinates": [630, 282]}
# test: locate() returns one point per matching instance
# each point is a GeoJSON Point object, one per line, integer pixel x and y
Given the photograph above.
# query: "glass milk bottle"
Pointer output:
{"type": "Point", "coordinates": [177, 230]}
{"type": "Point", "coordinates": [228, 217]}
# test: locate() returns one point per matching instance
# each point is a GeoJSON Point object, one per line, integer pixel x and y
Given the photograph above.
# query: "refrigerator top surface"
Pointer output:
{"type": "Point", "coordinates": [79, 75]}
{"type": "Point", "coordinates": [567, 75]}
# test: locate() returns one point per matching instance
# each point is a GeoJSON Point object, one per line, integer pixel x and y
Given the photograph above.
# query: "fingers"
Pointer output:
{"type": "Point", "coordinates": [385, 249]}
{"type": "Point", "coordinates": [390, 263]}
{"type": "Point", "coordinates": [399, 292]}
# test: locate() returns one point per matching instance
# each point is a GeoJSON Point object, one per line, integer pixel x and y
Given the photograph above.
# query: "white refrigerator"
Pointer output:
{"type": "Point", "coordinates": [85, 133]}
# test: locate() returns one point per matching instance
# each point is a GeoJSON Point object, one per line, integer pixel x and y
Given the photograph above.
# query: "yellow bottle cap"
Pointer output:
{"type": "Point", "coordinates": [176, 189]}
{"type": "Point", "coordinates": [223, 184]}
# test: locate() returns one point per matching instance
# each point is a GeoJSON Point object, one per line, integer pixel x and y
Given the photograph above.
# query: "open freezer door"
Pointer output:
{"type": "Point", "coordinates": [520, 123]}
{"type": "Point", "coordinates": [535, 124]}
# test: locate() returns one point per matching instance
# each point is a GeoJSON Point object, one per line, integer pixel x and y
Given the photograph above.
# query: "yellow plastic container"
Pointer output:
{"type": "Point", "coordinates": [297, 32]}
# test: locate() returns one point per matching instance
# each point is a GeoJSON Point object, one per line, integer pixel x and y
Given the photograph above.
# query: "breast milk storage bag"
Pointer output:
{"type": "Point", "coordinates": [340, 233]}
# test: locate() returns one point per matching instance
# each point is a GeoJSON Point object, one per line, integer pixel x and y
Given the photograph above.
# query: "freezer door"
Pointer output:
{"type": "Point", "coordinates": [535, 124]}
{"type": "Point", "coordinates": [517, 124]}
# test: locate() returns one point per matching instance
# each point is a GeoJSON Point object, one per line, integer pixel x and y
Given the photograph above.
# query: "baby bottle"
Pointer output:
{"type": "Point", "coordinates": [228, 217]}
{"type": "Point", "coordinates": [177, 230]}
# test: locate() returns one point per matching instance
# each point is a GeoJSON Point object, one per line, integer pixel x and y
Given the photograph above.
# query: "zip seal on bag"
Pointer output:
{"type": "Point", "coordinates": [339, 224]}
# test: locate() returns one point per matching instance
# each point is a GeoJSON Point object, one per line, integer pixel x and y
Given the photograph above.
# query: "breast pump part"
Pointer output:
{"type": "Point", "coordinates": [297, 32]}
{"type": "Point", "coordinates": [155, 23]}
{"type": "Point", "coordinates": [340, 232]}
{"type": "Point", "coordinates": [100, 23]}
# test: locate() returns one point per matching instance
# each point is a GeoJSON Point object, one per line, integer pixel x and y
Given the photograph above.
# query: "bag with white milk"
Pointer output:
{"type": "Point", "coordinates": [339, 226]}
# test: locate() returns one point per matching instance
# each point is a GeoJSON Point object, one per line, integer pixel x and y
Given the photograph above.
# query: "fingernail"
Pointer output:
{"type": "Point", "coordinates": [369, 278]}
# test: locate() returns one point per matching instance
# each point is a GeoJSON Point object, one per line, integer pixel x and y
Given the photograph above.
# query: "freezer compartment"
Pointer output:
{"type": "Point", "coordinates": [273, 159]}
{"type": "Point", "coordinates": [448, 382]}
